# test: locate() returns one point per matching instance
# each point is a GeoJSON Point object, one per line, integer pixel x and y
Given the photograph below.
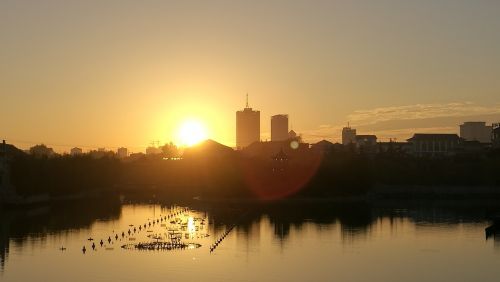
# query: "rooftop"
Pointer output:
{"type": "Point", "coordinates": [420, 136]}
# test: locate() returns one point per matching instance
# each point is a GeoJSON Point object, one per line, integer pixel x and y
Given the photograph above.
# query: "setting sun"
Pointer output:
{"type": "Point", "coordinates": [191, 132]}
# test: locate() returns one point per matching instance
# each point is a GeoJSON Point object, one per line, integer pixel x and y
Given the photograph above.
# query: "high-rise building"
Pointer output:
{"type": "Point", "coordinates": [476, 131]}
{"type": "Point", "coordinates": [247, 127]}
{"type": "Point", "coordinates": [348, 135]}
{"type": "Point", "coordinates": [279, 127]}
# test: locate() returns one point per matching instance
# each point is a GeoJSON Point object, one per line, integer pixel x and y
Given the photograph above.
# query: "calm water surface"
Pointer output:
{"type": "Point", "coordinates": [281, 242]}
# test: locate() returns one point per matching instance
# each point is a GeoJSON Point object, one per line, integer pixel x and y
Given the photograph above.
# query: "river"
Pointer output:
{"type": "Point", "coordinates": [287, 241]}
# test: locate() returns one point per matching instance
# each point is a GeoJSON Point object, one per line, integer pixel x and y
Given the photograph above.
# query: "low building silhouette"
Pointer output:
{"type": "Point", "coordinates": [295, 150]}
{"type": "Point", "coordinates": [476, 131]}
{"type": "Point", "coordinates": [151, 150]}
{"type": "Point", "coordinates": [394, 147]}
{"type": "Point", "coordinates": [42, 151]}
{"type": "Point", "coordinates": [434, 145]}
{"type": "Point", "coordinates": [472, 149]}
{"type": "Point", "coordinates": [76, 151]}
{"type": "Point", "coordinates": [366, 140]}
{"type": "Point", "coordinates": [101, 153]}
{"type": "Point", "coordinates": [496, 135]}
{"type": "Point", "coordinates": [322, 147]}
{"type": "Point", "coordinates": [366, 143]}
{"type": "Point", "coordinates": [122, 152]}
{"type": "Point", "coordinates": [135, 157]}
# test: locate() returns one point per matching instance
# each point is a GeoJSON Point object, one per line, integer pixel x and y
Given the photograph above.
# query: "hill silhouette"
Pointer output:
{"type": "Point", "coordinates": [208, 149]}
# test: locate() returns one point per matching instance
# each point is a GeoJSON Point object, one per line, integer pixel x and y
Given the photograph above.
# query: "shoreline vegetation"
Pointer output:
{"type": "Point", "coordinates": [212, 172]}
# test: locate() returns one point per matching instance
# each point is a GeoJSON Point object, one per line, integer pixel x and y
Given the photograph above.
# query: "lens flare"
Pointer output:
{"type": "Point", "coordinates": [281, 177]}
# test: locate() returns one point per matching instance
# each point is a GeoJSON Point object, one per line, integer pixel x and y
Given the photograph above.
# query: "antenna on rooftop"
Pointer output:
{"type": "Point", "coordinates": [247, 100]}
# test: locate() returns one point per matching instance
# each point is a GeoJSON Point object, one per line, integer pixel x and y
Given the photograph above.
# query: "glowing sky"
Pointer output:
{"type": "Point", "coordinates": [124, 73]}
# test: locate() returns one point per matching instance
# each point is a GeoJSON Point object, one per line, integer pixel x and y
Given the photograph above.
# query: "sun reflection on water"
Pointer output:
{"type": "Point", "coordinates": [190, 226]}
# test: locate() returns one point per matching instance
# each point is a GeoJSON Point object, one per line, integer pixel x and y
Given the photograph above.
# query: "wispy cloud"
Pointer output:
{"type": "Point", "coordinates": [421, 111]}
{"type": "Point", "coordinates": [400, 122]}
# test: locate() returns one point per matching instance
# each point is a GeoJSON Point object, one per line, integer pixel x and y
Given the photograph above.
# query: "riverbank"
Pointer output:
{"type": "Point", "coordinates": [20, 201]}
{"type": "Point", "coordinates": [421, 191]}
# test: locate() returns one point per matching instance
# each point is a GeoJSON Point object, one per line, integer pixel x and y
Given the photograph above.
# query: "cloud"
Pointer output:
{"type": "Point", "coordinates": [420, 111]}
{"type": "Point", "coordinates": [401, 122]}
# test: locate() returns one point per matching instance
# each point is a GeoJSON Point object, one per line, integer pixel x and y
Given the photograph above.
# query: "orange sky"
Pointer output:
{"type": "Point", "coordinates": [124, 73]}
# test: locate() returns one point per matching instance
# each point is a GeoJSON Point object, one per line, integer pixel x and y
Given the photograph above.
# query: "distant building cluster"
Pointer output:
{"type": "Point", "coordinates": [475, 137]}
{"type": "Point", "coordinates": [248, 128]}
{"type": "Point", "coordinates": [168, 151]}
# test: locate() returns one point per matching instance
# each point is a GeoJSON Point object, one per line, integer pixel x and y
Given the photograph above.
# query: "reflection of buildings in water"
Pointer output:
{"type": "Point", "coordinates": [250, 233]}
{"type": "Point", "coordinates": [282, 219]}
{"type": "Point", "coordinates": [350, 234]}
{"type": "Point", "coordinates": [493, 232]}
{"type": "Point", "coordinates": [277, 220]}
{"type": "Point", "coordinates": [355, 225]}
{"type": "Point", "coordinates": [356, 220]}
{"type": "Point", "coordinates": [10, 228]}
{"type": "Point", "coordinates": [496, 240]}
{"type": "Point", "coordinates": [281, 231]}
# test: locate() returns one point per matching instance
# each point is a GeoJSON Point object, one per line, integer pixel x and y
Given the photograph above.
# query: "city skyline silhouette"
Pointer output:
{"type": "Point", "coordinates": [231, 140]}
{"type": "Point", "coordinates": [105, 74]}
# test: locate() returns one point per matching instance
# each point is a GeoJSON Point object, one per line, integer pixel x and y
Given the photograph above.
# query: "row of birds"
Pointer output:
{"type": "Point", "coordinates": [224, 235]}
{"type": "Point", "coordinates": [123, 235]}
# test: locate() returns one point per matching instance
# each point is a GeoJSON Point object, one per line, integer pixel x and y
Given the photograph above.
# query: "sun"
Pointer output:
{"type": "Point", "coordinates": [191, 132]}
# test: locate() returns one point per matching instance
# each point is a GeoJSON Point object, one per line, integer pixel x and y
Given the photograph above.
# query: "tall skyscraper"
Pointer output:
{"type": "Point", "coordinates": [279, 127]}
{"type": "Point", "coordinates": [348, 135]}
{"type": "Point", "coordinates": [247, 127]}
{"type": "Point", "coordinates": [476, 131]}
